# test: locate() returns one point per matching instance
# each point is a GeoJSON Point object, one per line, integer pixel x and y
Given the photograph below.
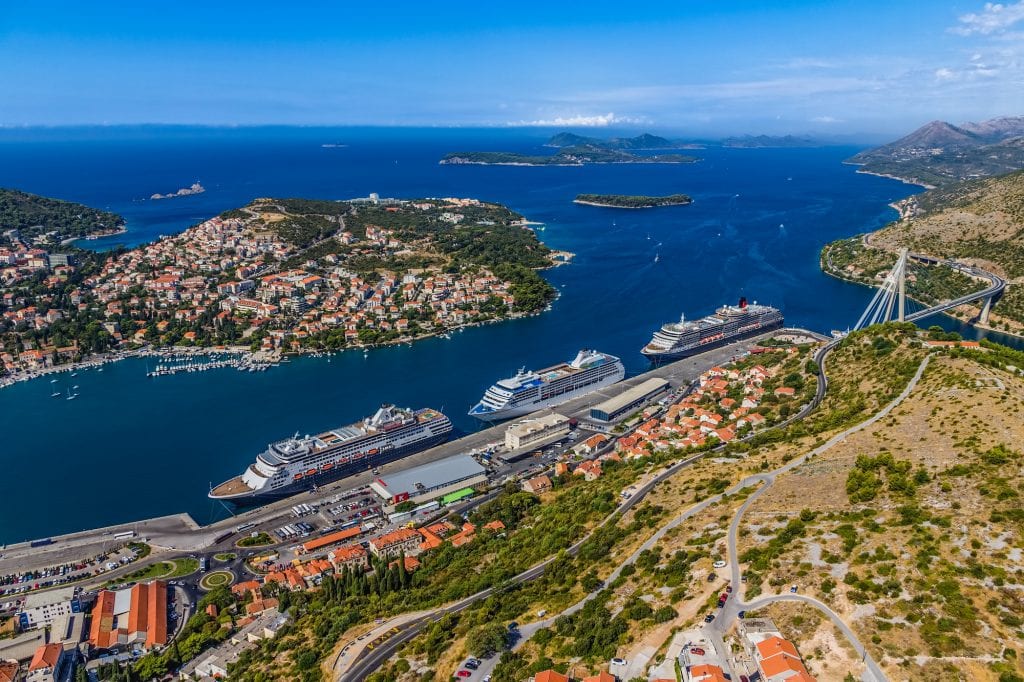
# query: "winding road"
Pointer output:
{"type": "Point", "coordinates": [369, 662]}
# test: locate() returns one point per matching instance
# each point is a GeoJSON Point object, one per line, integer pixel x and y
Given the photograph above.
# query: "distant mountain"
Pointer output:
{"type": "Point", "coordinates": [644, 141]}
{"type": "Point", "coordinates": [997, 129]}
{"type": "Point", "coordinates": [768, 141]}
{"type": "Point", "coordinates": [940, 153]}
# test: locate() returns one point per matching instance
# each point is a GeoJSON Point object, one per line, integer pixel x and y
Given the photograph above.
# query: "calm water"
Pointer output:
{"type": "Point", "coordinates": [133, 447]}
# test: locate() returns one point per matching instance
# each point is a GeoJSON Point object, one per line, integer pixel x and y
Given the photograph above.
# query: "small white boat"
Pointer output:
{"type": "Point", "coordinates": [53, 381]}
{"type": "Point", "coordinates": [74, 374]}
{"type": "Point", "coordinates": [55, 395]}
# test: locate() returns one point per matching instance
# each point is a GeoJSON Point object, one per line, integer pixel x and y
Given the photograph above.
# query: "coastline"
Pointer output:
{"type": "Point", "coordinates": [95, 235]}
{"type": "Point", "coordinates": [558, 258]}
{"type": "Point", "coordinates": [890, 176]}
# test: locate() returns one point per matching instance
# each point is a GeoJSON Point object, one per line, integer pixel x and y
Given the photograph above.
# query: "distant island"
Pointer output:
{"type": "Point", "coordinates": [631, 200]}
{"type": "Point", "coordinates": [575, 150]}
{"type": "Point", "coordinates": [939, 153]}
{"type": "Point", "coordinates": [196, 188]}
{"type": "Point", "coordinates": [769, 142]}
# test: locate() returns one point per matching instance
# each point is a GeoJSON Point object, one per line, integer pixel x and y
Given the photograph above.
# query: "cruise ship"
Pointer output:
{"type": "Point", "coordinates": [301, 463]}
{"type": "Point", "coordinates": [729, 323]}
{"type": "Point", "coordinates": [529, 391]}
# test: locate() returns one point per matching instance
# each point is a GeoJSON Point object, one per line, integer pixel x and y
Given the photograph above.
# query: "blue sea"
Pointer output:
{"type": "Point", "coordinates": [132, 447]}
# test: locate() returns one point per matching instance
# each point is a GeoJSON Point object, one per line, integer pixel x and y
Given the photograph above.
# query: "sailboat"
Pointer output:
{"type": "Point", "coordinates": [657, 257]}
{"type": "Point", "coordinates": [53, 381]}
{"type": "Point", "coordinates": [71, 396]}
{"type": "Point", "coordinates": [55, 394]}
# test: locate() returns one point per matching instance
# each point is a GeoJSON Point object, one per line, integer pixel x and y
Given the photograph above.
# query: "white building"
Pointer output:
{"type": "Point", "coordinates": [533, 431]}
{"type": "Point", "coordinates": [41, 609]}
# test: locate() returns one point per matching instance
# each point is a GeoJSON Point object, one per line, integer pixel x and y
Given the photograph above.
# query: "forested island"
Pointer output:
{"type": "Point", "coordinates": [632, 200]}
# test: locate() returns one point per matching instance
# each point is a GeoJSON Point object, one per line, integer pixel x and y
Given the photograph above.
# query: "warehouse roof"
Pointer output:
{"type": "Point", "coordinates": [638, 392]}
{"type": "Point", "coordinates": [436, 474]}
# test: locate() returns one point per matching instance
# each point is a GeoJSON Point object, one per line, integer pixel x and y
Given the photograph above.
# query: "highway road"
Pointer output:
{"type": "Point", "coordinates": [372, 660]}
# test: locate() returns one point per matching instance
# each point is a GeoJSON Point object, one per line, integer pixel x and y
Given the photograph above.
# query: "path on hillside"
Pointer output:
{"type": "Point", "coordinates": [736, 604]}
{"type": "Point", "coordinates": [716, 629]}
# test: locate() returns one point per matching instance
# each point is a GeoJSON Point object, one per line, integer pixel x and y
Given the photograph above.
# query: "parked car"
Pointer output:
{"type": "Point", "coordinates": [618, 661]}
{"type": "Point", "coordinates": [464, 673]}
{"type": "Point", "coordinates": [719, 564]}
{"type": "Point", "coordinates": [708, 618]}
{"type": "Point", "coordinates": [793, 588]}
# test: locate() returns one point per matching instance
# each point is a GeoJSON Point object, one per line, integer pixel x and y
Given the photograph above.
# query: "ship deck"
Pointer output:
{"type": "Point", "coordinates": [231, 487]}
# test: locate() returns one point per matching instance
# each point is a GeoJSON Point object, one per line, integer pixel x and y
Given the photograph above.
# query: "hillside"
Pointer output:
{"type": "Point", "coordinates": [980, 221]}
{"type": "Point", "coordinates": [41, 219]}
{"type": "Point", "coordinates": [940, 153]}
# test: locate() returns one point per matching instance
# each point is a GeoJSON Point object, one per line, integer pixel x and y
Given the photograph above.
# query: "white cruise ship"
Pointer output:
{"type": "Point", "coordinates": [729, 323]}
{"type": "Point", "coordinates": [300, 463]}
{"type": "Point", "coordinates": [531, 391]}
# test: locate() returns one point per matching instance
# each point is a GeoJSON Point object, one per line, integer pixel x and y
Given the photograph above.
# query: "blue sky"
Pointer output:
{"type": "Point", "coordinates": [837, 67]}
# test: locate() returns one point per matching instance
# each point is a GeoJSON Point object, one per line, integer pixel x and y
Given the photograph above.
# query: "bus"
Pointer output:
{"type": "Point", "coordinates": [128, 534]}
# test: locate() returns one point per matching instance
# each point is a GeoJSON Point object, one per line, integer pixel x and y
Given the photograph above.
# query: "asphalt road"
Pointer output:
{"type": "Point", "coordinates": [372, 660]}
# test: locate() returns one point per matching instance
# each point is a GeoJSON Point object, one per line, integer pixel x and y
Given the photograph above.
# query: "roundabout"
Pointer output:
{"type": "Point", "coordinates": [216, 579]}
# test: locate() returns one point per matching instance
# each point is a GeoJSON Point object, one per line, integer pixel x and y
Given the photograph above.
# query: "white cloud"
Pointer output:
{"type": "Point", "coordinates": [826, 119]}
{"type": "Point", "coordinates": [944, 74]}
{"type": "Point", "coordinates": [578, 121]}
{"type": "Point", "coordinates": [995, 17]}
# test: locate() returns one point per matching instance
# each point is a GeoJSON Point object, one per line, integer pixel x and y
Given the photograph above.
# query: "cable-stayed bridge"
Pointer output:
{"type": "Point", "coordinates": [890, 301]}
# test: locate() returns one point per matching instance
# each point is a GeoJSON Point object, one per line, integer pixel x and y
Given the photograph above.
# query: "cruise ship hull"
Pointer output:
{"type": "Point", "coordinates": [322, 478]}
{"type": "Point", "coordinates": [659, 356]}
{"type": "Point", "coordinates": [485, 414]}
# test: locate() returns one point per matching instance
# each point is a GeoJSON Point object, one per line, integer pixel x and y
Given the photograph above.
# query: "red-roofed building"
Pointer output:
{"type": "Point", "coordinates": [707, 673]}
{"type": "Point", "coordinates": [779, 661]}
{"type": "Point", "coordinates": [49, 663]}
{"type": "Point", "coordinates": [550, 676]}
{"type": "Point", "coordinates": [10, 671]}
{"type": "Point", "coordinates": [403, 540]}
{"type": "Point", "coordinates": [135, 616]}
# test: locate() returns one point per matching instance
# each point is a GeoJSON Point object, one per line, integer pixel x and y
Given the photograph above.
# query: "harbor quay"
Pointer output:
{"type": "Point", "coordinates": [179, 535]}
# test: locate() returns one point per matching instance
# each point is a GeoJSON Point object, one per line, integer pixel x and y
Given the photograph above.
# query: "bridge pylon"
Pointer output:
{"type": "Point", "coordinates": [891, 296]}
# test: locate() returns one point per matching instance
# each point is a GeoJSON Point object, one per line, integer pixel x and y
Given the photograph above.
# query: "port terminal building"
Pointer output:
{"type": "Point", "coordinates": [430, 481]}
{"type": "Point", "coordinates": [622, 404]}
{"type": "Point", "coordinates": [536, 431]}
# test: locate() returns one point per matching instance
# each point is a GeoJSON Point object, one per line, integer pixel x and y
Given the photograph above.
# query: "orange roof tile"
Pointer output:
{"type": "Point", "coordinates": [707, 673]}
{"type": "Point", "coordinates": [550, 676]}
{"type": "Point", "coordinates": [46, 656]}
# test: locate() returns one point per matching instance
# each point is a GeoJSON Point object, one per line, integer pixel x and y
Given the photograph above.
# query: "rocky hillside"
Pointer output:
{"type": "Point", "coordinates": [980, 221]}
{"type": "Point", "coordinates": [939, 153]}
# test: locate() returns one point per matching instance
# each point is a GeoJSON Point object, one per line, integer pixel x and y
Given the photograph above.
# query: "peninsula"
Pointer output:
{"type": "Point", "coordinates": [277, 276]}
{"type": "Point", "coordinates": [631, 200]}
{"type": "Point", "coordinates": [38, 221]}
{"type": "Point", "coordinates": [574, 150]}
